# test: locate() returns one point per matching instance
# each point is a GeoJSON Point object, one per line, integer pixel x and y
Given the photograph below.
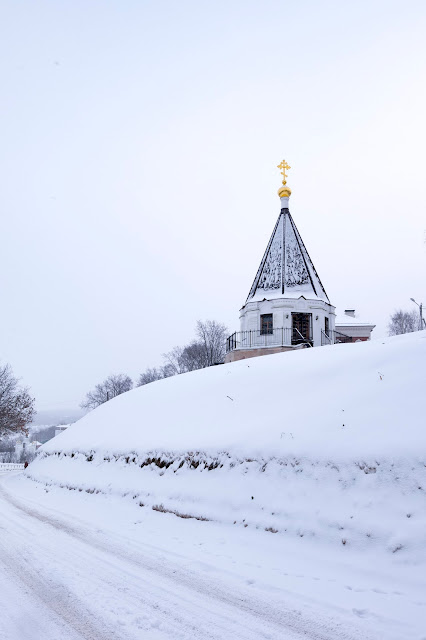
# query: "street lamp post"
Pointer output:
{"type": "Point", "coordinates": [420, 306]}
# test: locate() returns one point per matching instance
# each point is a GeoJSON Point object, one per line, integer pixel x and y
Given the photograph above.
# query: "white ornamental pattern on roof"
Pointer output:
{"type": "Point", "coordinates": [271, 275]}
{"type": "Point", "coordinates": [296, 272]}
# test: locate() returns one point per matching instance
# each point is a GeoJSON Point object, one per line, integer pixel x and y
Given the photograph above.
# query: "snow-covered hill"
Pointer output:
{"type": "Point", "coordinates": [324, 444]}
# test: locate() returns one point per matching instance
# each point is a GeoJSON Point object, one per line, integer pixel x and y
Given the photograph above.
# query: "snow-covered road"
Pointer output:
{"type": "Point", "coordinates": [74, 566]}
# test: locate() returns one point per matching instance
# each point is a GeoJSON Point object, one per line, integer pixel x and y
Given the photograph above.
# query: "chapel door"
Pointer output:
{"type": "Point", "coordinates": [302, 327]}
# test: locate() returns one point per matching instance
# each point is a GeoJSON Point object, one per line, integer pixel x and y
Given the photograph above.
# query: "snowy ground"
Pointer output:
{"type": "Point", "coordinates": [280, 497]}
{"type": "Point", "coordinates": [76, 565]}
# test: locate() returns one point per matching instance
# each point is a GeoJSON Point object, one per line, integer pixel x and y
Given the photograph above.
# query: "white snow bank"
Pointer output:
{"type": "Point", "coordinates": [341, 401]}
{"type": "Point", "coordinates": [321, 443]}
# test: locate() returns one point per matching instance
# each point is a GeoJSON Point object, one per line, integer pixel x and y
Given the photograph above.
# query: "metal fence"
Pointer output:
{"type": "Point", "coordinates": [280, 338]}
{"type": "Point", "coordinates": [269, 338]}
{"type": "Point", "coordinates": [333, 337]}
{"type": "Point", "coordinates": [10, 466]}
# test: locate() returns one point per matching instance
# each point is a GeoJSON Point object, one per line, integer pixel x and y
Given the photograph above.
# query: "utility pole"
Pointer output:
{"type": "Point", "coordinates": [422, 320]}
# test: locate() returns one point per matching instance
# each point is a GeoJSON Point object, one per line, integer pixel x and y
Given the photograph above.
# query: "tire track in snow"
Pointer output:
{"type": "Point", "coordinates": [63, 610]}
{"type": "Point", "coordinates": [180, 619]}
{"type": "Point", "coordinates": [181, 596]}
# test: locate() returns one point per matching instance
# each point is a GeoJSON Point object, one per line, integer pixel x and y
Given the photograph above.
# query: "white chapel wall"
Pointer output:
{"type": "Point", "coordinates": [282, 308]}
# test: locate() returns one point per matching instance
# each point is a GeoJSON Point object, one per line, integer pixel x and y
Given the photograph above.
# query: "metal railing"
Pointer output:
{"type": "Point", "coordinates": [10, 466]}
{"type": "Point", "coordinates": [298, 338]}
{"type": "Point", "coordinates": [333, 337]}
{"type": "Point", "coordinates": [282, 337]}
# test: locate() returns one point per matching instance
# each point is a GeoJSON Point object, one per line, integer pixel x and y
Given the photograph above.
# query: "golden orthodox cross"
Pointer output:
{"type": "Point", "coordinates": [283, 165]}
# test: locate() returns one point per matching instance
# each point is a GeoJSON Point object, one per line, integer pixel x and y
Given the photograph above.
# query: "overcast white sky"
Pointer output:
{"type": "Point", "coordinates": [139, 144]}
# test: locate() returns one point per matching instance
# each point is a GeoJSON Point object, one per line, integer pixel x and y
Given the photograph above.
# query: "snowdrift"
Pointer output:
{"type": "Point", "coordinates": [326, 442]}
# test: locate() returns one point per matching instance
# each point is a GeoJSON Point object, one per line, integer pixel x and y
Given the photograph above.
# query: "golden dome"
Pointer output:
{"type": "Point", "coordinates": [284, 192]}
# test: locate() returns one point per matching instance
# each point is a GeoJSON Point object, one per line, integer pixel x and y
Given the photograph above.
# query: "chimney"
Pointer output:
{"type": "Point", "coordinates": [350, 312]}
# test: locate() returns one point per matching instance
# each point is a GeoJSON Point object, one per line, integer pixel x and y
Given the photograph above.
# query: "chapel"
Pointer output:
{"type": "Point", "coordinates": [287, 307]}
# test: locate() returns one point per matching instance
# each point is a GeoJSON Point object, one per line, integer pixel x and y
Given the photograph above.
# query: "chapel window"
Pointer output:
{"type": "Point", "coordinates": [266, 325]}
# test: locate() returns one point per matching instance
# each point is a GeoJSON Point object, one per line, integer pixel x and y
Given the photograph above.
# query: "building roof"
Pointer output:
{"type": "Point", "coordinates": [286, 270]}
{"type": "Point", "coordinates": [356, 320]}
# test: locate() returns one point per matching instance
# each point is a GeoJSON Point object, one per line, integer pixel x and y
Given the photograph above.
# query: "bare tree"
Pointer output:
{"type": "Point", "coordinates": [174, 363]}
{"type": "Point", "coordinates": [207, 350]}
{"type": "Point", "coordinates": [183, 359]}
{"type": "Point", "coordinates": [7, 449]}
{"type": "Point", "coordinates": [167, 371]}
{"type": "Point", "coordinates": [194, 356]}
{"type": "Point", "coordinates": [113, 386]}
{"type": "Point", "coordinates": [16, 404]}
{"type": "Point", "coordinates": [150, 375]}
{"type": "Point", "coordinates": [403, 322]}
{"type": "Point", "coordinates": [212, 336]}
{"type": "Point", "coordinates": [7, 456]}
{"type": "Point", "coordinates": [26, 456]}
